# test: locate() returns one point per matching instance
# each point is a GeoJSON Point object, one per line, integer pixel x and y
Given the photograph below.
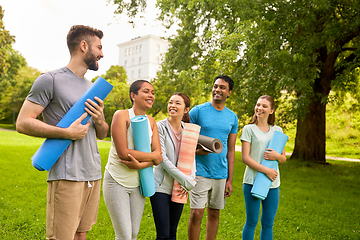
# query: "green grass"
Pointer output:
{"type": "Point", "coordinates": [316, 201]}
{"type": "Point", "coordinates": [7, 126]}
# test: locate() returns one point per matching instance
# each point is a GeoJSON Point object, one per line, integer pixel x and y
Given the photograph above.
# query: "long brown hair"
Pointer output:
{"type": "Point", "coordinates": [271, 118]}
{"type": "Point", "coordinates": [187, 101]}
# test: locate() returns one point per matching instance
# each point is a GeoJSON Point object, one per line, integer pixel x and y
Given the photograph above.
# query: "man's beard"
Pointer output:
{"type": "Point", "coordinates": [90, 61]}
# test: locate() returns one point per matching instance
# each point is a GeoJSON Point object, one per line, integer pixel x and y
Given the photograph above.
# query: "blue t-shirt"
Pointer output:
{"type": "Point", "coordinates": [215, 124]}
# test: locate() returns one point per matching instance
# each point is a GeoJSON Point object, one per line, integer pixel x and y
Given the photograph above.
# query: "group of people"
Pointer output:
{"type": "Point", "coordinates": [74, 182]}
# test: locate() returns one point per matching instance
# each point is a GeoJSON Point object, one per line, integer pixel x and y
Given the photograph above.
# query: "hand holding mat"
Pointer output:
{"type": "Point", "coordinates": [140, 128]}
{"type": "Point", "coordinates": [52, 148]}
{"type": "Point", "coordinates": [262, 183]}
{"type": "Point", "coordinates": [189, 139]}
{"type": "Point", "coordinates": [210, 144]}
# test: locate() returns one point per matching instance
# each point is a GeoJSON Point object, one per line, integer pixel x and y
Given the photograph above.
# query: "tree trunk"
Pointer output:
{"type": "Point", "coordinates": [311, 134]}
{"type": "Point", "coordinates": [310, 137]}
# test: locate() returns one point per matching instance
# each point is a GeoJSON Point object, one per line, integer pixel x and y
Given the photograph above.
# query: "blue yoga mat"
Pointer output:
{"type": "Point", "coordinates": [52, 148]}
{"type": "Point", "coordinates": [262, 183]}
{"type": "Point", "coordinates": [140, 128]}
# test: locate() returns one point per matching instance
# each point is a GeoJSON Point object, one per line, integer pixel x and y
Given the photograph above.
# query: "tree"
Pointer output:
{"type": "Point", "coordinates": [5, 42]}
{"type": "Point", "coordinates": [119, 96]}
{"type": "Point", "coordinates": [296, 51]}
{"type": "Point", "coordinates": [10, 60]}
{"type": "Point", "coordinates": [10, 64]}
{"type": "Point", "coordinates": [16, 93]}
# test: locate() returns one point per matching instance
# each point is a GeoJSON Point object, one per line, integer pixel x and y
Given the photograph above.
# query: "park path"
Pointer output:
{"type": "Point", "coordinates": [238, 149]}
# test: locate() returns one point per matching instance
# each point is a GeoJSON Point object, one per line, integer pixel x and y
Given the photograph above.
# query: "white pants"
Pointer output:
{"type": "Point", "coordinates": [125, 206]}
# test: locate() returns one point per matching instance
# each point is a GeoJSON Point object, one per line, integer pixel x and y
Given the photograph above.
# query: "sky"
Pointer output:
{"type": "Point", "coordinates": [40, 28]}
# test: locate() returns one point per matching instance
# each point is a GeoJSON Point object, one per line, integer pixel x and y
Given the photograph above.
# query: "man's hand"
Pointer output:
{"type": "Point", "coordinates": [201, 151]}
{"type": "Point", "coordinates": [95, 110]}
{"type": "Point", "coordinates": [76, 130]}
{"type": "Point", "coordinates": [228, 189]}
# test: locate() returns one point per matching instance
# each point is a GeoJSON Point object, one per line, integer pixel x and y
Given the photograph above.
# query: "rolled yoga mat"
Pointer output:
{"type": "Point", "coordinates": [262, 183]}
{"type": "Point", "coordinates": [140, 128]}
{"type": "Point", "coordinates": [52, 148]}
{"type": "Point", "coordinates": [189, 139]}
{"type": "Point", "coordinates": [210, 144]}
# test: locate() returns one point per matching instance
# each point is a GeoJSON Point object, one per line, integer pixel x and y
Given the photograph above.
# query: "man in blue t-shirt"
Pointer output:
{"type": "Point", "coordinates": [214, 172]}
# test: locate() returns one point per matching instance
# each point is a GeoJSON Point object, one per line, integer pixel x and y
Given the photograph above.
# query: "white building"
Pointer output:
{"type": "Point", "coordinates": [141, 57]}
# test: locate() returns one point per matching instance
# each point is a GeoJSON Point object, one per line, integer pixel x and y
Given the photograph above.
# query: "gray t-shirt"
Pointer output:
{"type": "Point", "coordinates": [57, 91]}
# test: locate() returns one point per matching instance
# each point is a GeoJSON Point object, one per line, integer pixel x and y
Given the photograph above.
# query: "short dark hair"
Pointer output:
{"type": "Point", "coordinates": [78, 33]}
{"type": "Point", "coordinates": [135, 86]}
{"type": "Point", "coordinates": [226, 79]}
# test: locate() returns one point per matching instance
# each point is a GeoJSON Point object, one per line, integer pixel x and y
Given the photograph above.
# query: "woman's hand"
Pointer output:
{"type": "Point", "coordinates": [132, 163]}
{"type": "Point", "coordinates": [271, 174]}
{"type": "Point", "coordinates": [182, 193]}
{"type": "Point", "coordinates": [271, 154]}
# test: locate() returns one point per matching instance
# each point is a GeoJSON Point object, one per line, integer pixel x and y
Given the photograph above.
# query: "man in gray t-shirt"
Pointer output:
{"type": "Point", "coordinates": [74, 180]}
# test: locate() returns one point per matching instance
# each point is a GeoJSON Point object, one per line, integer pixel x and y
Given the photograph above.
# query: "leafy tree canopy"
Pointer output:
{"type": "Point", "coordinates": [119, 96]}
{"type": "Point", "coordinates": [10, 60]}
{"type": "Point", "coordinates": [296, 51]}
{"type": "Point", "coordinates": [16, 93]}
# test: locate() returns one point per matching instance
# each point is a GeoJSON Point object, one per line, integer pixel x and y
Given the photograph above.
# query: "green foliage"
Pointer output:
{"type": "Point", "coordinates": [303, 49]}
{"type": "Point", "coordinates": [5, 45]}
{"type": "Point", "coordinates": [165, 87]}
{"type": "Point", "coordinates": [119, 96]}
{"type": "Point", "coordinates": [10, 60]}
{"type": "Point", "coordinates": [16, 93]}
{"type": "Point", "coordinates": [342, 128]}
{"type": "Point", "coordinates": [131, 7]}
{"type": "Point", "coordinates": [308, 209]}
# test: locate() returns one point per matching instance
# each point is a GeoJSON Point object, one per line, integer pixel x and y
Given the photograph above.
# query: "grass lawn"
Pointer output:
{"type": "Point", "coordinates": [316, 201]}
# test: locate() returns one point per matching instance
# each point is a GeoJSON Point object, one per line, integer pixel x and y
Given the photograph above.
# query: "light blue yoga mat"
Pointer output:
{"type": "Point", "coordinates": [52, 148]}
{"type": "Point", "coordinates": [140, 128]}
{"type": "Point", "coordinates": [262, 183]}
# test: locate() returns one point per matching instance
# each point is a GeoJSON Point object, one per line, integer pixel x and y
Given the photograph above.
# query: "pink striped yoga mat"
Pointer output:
{"type": "Point", "coordinates": [189, 139]}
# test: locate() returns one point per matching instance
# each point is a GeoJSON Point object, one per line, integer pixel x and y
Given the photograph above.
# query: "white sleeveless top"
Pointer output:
{"type": "Point", "coordinates": [120, 172]}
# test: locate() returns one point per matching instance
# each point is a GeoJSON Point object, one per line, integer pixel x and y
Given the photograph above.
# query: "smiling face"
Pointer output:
{"type": "Point", "coordinates": [94, 54]}
{"type": "Point", "coordinates": [263, 108]}
{"type": "Point", "coordinates": [220, 91]}
{"type": "Point", "coordinates": [176, 106]}
{"type": "Point", "coordinates": [145, 96]}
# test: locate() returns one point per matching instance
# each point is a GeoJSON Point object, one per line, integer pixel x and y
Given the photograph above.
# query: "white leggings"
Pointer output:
{"type": "Point", "coordinates": [125, 206]}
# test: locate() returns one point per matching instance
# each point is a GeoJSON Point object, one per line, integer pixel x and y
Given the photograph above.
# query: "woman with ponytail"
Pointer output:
{"type": "Point", "coordinates": [167, 213]}
{"type": "Point", "coordinates": [255, 138]}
